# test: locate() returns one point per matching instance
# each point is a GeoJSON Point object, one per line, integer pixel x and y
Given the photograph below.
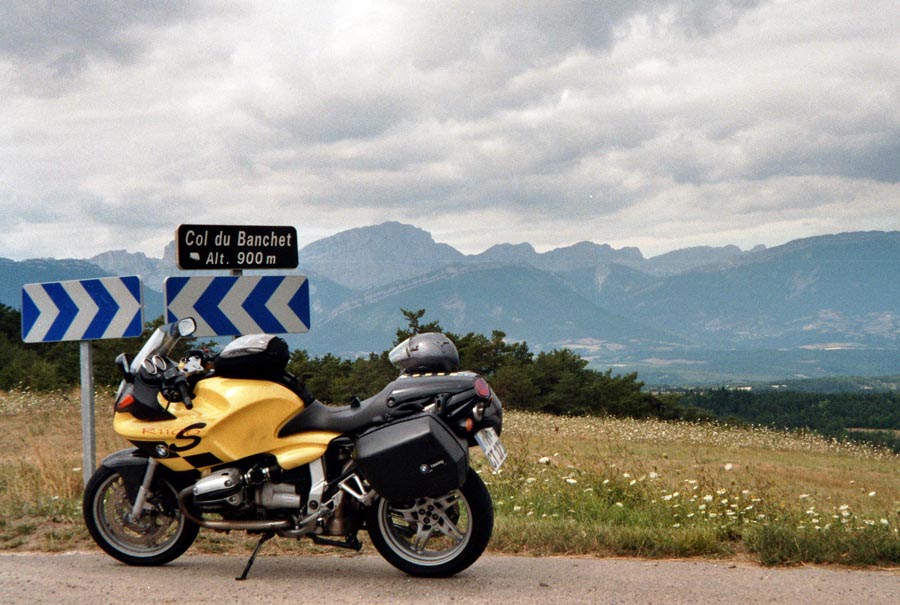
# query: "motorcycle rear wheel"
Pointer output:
{"type": "Point", "coordinates": [434, 537]}
{"type": "Point", "coordinates": [162, 533]}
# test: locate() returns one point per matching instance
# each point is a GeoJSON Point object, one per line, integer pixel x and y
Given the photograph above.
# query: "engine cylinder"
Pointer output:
{"type": "Point", "coordinates": [278, 495]}
{"type": "Point", "coordinates": [221, 488]}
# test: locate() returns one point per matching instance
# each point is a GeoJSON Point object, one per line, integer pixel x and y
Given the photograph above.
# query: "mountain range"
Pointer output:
{"type": "Point", "coordinates": [820, 306]}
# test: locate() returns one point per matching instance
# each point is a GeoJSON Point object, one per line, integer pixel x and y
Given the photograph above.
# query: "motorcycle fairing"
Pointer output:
{"type": "Point", "coordinates": [231, 419]}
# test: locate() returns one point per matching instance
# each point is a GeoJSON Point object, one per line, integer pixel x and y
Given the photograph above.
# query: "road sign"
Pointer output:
{"type": "Point", "coordinates": [88, 309]}
{"type": "Point", "coordinates": [85, 310]}
{"type": "Point", "coordinates": [232, 305]}
{"type": "Point", "coordinates": [236, 247]}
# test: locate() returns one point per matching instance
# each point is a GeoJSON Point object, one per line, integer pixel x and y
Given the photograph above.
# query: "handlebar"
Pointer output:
{"type": "Point", "coordinates": [174, 379]}
{"type": "Point", "coordinates": [185, 393]}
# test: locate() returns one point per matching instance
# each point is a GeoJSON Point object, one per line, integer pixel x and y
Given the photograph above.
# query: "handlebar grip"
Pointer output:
{"type": "Point", "coordinates": [185, 394]}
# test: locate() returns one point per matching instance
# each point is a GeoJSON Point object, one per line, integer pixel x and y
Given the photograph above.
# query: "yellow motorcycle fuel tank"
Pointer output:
{"type": "Point", "coordinates": [231, 419]}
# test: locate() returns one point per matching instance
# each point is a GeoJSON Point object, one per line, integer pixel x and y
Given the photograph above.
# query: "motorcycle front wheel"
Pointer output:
{"type": "Point", "coordinates": [434, 537]}
{"type": "Point", "coordinates": [160, 535]}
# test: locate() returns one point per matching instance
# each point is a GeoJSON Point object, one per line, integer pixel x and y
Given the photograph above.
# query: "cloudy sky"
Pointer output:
{"type": "Point", "coordinates": [657, 124]}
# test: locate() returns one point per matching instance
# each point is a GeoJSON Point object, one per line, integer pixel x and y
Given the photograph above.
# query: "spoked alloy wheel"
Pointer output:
{"type": "Point", "coordinates": [434, 537]}
{"type": "Point", "coordinates": [160, 535]}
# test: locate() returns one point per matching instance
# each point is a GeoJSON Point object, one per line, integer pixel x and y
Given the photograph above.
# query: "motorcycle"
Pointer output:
{"type": "Point", "coordinates": [235, 442]}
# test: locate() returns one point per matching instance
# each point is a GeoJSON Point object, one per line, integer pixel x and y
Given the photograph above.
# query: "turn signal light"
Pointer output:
{"type": "Point", "coordinates": [125, 402]}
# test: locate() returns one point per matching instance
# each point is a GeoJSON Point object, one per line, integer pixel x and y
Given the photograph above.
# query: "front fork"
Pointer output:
{"type": "Point", "coordinates": [141, 500]}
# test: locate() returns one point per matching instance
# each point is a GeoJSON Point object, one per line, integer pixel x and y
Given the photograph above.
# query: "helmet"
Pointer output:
{"type": "Point", "coordinates": [423, 353]}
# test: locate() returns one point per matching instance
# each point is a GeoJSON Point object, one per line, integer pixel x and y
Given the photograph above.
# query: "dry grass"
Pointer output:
{"type": "Point", "coordinates": [621, 486]}
{"type": "Point", "coordinates": [594, 486]}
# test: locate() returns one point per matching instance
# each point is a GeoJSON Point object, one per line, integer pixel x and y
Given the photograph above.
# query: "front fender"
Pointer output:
{"type": "Point", "coordinates": [131, 464]}
{"type": "Point", "coordinates": [126, 458]}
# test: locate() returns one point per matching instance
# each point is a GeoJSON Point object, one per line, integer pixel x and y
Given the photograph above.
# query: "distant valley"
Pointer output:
{"type": "Point", "coordinates": [815, 307]}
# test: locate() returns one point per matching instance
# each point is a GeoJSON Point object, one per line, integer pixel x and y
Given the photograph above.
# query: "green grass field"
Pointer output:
{"type": "Point", "coordinates": [579, 486]}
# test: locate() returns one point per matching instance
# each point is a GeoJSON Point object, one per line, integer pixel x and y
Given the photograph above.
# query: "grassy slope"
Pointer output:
{"type": "Point", "coordinates": [589, 486]}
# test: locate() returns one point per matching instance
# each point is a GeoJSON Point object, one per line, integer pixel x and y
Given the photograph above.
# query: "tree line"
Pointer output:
{"type": "Point", "coordinates": [556, 382]}
{"type": "Point", "coordinates": [837, 415]}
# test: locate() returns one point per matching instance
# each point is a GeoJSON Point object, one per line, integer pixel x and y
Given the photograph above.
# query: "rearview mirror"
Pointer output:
{"type": "Point", "coordinates": [187, 326]}
{"type": "Point", "coordinates": [123, 362]}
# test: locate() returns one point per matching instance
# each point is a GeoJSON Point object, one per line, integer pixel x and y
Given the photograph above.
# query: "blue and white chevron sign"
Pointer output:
{"type": "Point", "coordinates": [87, 309]}
{"type": "Point", "coordinates": [228, 306]}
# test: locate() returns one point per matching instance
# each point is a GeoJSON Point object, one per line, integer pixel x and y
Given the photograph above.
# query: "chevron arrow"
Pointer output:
{"type": "Point", "coordinates": [38, 313]}
{"type": "Point", "coordinates": [209, 305]}
{"type": "Point", "coordinates": [67, 311]}
{"type": "Point", "coordinates": [228, 306]}
{"type": "Point", "coordinates": [256, 305]}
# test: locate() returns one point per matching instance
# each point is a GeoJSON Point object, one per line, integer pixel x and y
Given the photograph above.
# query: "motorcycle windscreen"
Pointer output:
{"type": "Point", "coordinates": [412, 458]}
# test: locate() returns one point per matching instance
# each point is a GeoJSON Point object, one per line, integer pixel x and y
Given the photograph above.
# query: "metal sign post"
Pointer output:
{"type": "Point", "coordinates": [88, 442]}
{"type": "Point", "coordinates": [83, 310]}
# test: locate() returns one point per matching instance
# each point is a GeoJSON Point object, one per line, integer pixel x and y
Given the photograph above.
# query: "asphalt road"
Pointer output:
{"type": "Point", "coordinates": [89, 578]}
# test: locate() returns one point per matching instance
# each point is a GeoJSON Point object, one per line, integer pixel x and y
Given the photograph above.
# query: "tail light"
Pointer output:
{"type": "Point", "coordinates": [482, 388]}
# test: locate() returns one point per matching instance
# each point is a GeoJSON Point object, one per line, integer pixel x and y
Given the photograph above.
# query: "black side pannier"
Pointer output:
{"type": "Point", "coordinates": [257, 356]}
{"type": "Point", "coordinates": [411, 458]}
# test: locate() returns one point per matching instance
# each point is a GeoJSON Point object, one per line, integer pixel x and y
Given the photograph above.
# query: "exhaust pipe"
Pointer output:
{"type": "Point", "coordinates": [224, 525]}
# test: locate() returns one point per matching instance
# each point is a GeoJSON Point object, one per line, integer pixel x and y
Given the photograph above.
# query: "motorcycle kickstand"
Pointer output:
{"type": "Point", "coordinates": [263, 539]}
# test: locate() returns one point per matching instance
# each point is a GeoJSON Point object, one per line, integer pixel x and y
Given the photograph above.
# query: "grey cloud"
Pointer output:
{"type": "Point", "coordinates": [562, 120]}
{"type": "Point", "coordinates": [706, 17]}
{"type": "Point", "coordinates": [64, 36]}
{"type": "Point", "coordinates": [326, 120]}
{"type": "Point", "coordinates": [878, 161]}
{"type": "Point", "coordinates": [514, 33]}
{"type": "Point", "coordinates": [18, 209]}
{"type": "Point", "coordinates": [456, 62]}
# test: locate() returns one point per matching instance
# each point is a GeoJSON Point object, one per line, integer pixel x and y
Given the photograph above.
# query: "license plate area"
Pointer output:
{"type": "Point", "coordinates": [490, 444]}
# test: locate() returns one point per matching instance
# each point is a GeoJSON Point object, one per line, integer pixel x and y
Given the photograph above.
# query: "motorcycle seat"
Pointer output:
{"type": "Point", "coordinates": [317, 416]}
